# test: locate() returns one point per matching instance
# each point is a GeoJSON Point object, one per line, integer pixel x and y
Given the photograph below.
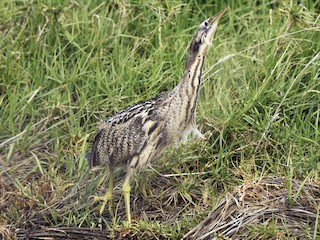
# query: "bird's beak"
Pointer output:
{"type": "Point", "coordinates": [212, 26]}
{"type": "Point", "coordinates": [216, 18]}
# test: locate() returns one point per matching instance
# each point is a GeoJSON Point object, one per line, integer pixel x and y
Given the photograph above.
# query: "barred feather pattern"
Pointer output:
{"type": "Point", "coordinates": [140, 133]}
{"type": "Point", "coordinates": [126, 138]}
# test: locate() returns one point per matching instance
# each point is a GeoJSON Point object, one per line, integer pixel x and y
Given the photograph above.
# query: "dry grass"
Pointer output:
{"type": "Point", "coordinates": [6, 233]}
{"type": "Point", "coordinates": [65, 65]}
{"type": "Point", "coordinates": [266, 204]}
{"type": "Point", "coordinates": [268, 208]}
{"type": "Point", "coordinates": [159, 200]}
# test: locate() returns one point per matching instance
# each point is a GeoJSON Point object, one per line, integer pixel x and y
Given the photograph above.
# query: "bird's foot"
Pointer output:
{"type": "Point", "coordinates": [196, 132]}
{"type": "Point", "coordinates": [105, 199]}
{"type": "Point", "coordinates": [208, 134]}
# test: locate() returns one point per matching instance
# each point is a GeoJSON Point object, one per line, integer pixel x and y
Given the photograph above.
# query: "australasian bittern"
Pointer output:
{"type": "Point", "coordinates": [140, 133]}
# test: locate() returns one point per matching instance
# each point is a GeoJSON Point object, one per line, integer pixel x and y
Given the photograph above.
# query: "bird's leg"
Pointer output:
{"type": "Point", "coordinates": [126, 193]}
{"type": "Point", "coordinates": [108, 197]}
{"type": "Point", "coordinates": [196, 132]}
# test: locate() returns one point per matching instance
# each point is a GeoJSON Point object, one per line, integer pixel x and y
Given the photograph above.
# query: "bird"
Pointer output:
{"type": "Point", "coordinates": [138, 135]}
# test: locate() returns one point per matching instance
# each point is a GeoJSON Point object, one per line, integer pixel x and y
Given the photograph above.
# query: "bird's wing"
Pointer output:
{"type": "Point", "coordinates": [143, 107]}
{"type": "Point", "coordinates": [132, 136]}
{"type": "Point", "coordinates": [151, 144]}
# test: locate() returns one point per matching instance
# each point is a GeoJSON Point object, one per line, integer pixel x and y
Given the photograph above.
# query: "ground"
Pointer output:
{"type": "Point", "coordinates": [67, 65]}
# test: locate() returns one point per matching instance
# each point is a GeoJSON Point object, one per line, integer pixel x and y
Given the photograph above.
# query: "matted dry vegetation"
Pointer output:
{"type": "Point", "coordinates": [278, 208]}
{"type": "Point", "coordinates": [291, 209]}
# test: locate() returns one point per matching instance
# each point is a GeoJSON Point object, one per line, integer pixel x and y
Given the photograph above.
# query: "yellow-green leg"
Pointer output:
{"type": "Point", "coordinates": [108, 197]}
{"type": "Point", "coordinates": [126, 193]}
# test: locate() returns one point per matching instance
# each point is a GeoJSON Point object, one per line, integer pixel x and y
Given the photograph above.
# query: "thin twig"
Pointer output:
{"type": "Point", "coordinates": [177, 174]}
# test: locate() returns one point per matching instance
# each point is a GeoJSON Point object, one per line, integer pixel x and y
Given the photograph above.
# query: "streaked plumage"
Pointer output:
{"type": "Point", "coordinates": [139, 134]}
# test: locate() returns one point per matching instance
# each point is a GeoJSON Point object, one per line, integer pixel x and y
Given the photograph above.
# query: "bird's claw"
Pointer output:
{"type": "Point", "coordinates": [208, 134]}
{"type": "Point", "coordinates": [105, 199]}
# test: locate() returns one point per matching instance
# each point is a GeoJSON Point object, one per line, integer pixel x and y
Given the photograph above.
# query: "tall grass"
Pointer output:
{"type": "Point", "coordinates": [66, 65]}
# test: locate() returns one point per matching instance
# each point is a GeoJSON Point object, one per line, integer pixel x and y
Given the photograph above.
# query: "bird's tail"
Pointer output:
{"type": "Point", "coordinates": [88, 155]}
{"type": "Point", "coordinates": [92, 155]}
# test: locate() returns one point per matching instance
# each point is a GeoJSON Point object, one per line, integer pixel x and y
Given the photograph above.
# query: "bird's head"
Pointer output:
{"type": "Point", "coordinates": [203, 37]}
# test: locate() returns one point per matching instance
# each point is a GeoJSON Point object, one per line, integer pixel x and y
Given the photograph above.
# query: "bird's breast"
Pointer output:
{"type": "Point", "coordinates": [181, 114]}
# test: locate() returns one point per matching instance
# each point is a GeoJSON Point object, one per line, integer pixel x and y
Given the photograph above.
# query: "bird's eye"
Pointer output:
{"type": "Point", "coordinates": [204, 25]}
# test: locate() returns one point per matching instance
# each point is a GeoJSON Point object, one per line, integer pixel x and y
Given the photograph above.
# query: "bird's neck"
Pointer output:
{"type": "Point", "coordinates": [185, 94]}
{"type": "Point", "coordinates": [189, 86]}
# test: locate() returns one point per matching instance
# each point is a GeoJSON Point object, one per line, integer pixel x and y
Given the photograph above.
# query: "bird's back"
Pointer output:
{"type": "Point", "coordinates": [123, 137]}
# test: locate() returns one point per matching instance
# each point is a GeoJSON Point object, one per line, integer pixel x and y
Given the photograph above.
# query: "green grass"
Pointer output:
{"type": "Point", "coordinates": [66, 65]}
